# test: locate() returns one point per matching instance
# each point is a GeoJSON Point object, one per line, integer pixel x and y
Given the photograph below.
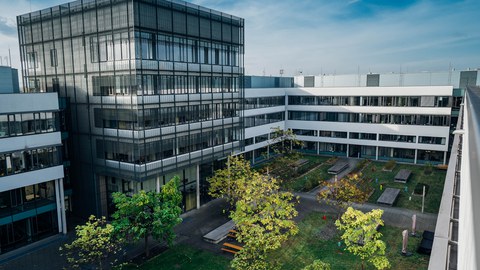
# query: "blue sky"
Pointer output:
{"type": "Point", "coordinates": [325, 36]}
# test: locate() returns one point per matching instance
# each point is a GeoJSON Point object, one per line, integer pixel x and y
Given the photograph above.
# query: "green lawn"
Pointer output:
{"type": "Point", "coordinates": [435, 180]}
{"type": "Point", "coordinates": [317, 239]}
{"type": "Point", "coordinates": [184, 257]}
{"type": "Point", "coordinates": [310, 180]}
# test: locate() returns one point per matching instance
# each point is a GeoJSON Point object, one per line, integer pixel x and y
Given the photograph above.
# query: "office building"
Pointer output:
{"type": "Point", "coordinates": [8, 80]}
{"type": "Point", "coordinates": [404, 117]}
{"type": "Point", "coordinates": [31, 171]}
{"type": "Point", "coordinates": [154, 90]}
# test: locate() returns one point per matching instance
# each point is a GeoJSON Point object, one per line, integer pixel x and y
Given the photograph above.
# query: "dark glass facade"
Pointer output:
{"type": "Point", "coordinates": [154, 88]}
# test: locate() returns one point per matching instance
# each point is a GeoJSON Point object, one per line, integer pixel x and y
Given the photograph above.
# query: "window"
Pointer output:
{"type": "Point", "coordinates": [32, 60]}
{"type": "Point", "coordinates": [53, 58]}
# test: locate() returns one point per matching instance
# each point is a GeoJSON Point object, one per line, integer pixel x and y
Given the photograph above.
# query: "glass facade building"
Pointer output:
{"type": "Point", "coordinates": [154, 89]}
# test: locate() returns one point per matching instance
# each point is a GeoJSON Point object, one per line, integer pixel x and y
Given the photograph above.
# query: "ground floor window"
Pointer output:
{"type": "Point", "coordinates": [399, 154]}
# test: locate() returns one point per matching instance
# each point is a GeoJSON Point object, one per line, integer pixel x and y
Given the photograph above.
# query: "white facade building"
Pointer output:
{"type": "Point", "coordinates": [31, 170]}
{"type": "Point", "coordinates": [405, 123]}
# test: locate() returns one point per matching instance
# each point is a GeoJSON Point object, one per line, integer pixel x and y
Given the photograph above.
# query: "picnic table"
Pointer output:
{"type": "Point", "coordinates": [338, 167]}
{"type": "Point", "coordinates": [219, 233]}
{"type": "Point", "coordinates": [389, 196]}
{"type": "Point", "coordinates": [402, 176]}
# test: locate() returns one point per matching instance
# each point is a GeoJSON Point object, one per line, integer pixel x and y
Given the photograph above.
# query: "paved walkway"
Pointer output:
{"type": "Point", "coordinates": [45, 255]}
{"type": "Point", "coordinates": [352, 162]}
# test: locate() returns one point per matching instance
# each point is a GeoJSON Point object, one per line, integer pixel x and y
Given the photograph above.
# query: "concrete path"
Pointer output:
{"type": "Point", "coordinates": [393, 216]}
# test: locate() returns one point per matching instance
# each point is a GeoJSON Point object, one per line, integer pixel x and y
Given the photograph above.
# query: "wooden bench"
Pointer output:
{"type": "Point", "coordinates": [232, 246]}
{"type": "Point", "coordinates": [229, 250]}
{"type": "Point", "coordinates": [232, 235]}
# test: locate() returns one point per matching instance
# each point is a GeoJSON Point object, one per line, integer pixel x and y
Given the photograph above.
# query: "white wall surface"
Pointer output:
{"type": "Point", "coordinates": [11, 144]}
{"type": "Point", "coordinates": [30, 178]}
{"type": "Point", "coordinates": [32, 102]}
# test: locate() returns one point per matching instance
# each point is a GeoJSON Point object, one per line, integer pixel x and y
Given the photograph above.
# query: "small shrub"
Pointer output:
{"type": "Point", "coordinates": [390, 165]}
{"type": "Point", "coordinates": [428, 169]}
{"type": "Point", "coordinates": [308, 185]}
{"type": "Point", "coordinates": [419, 189]}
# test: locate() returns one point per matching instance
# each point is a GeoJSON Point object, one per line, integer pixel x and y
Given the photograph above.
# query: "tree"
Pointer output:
{"type": "Point", "coordinates": [148, 214]}
{"type": "Point", "coordinates": [94, 244]}
{"type": "Point", "coordinates": [230, 182]}
{"type": "Point", "coordinates": [264, 220]}
{"type": "Point", "coordinates": [361, 236]}
{"type": "Point", "coordinates": [317, 265]}
{"type": "Point", "coordinates": [345, 191]}
{"type": "Point", "coordinates": [284, 141]}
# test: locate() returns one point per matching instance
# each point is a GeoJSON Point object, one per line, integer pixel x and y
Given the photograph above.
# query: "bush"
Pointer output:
{"type": "Point", "coordinates": [428, 169]}
{"type": "Point", "coordinates": [419, 189]}
{"type": "Point", "coordinates": [390, 165]}
{"type": "Point", "coordinates": [360, 165]}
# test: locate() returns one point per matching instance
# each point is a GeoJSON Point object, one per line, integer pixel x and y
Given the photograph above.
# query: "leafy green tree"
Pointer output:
{"type": "Point", "coordinates": [230, 182]}
{"type": "Point", "coordinates": [264, 220]}
{"type": "Point", "coordinates": [94, 244]}
{"type": "Point", "coordinates": [345, 192]}
{"type": "Point", "coordinates": [317, 265]}
{"type": "Point", "coordinates": [361, 236]}
{"type": "Point", "coordinates": [284, 143]}
{"type": "Point", "coordinates": [148, 214]}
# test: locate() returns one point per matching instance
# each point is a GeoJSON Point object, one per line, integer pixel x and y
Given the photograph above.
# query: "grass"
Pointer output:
{"type": "Point", "coordinates": [317, 239]}
{"type": "Point", "coordinates": [184, 257]}
{"type": "Point", "coordinates": [435, 181]}
{"type": "Point", "coordinates": [310, 180]}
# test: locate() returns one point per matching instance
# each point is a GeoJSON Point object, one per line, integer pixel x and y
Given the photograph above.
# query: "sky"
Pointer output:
{"type": "Point", "coordinates": [329, 36]}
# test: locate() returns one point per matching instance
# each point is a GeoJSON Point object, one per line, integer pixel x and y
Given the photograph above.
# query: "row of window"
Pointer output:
{"type": "Point", "coordinates": [162, 84]}
{"type": "Point", "coordinates": [161, 47]}
{"type": "Point", "coordinates": [399, 101]}
{"type": "Point", "coordinates": [27, 123]}
{"type": "Point", "coordinates": [263, 119]}
{"type": "Point", "coordinates": [179, 49]}
{"type": "Point", "coordinates": [161, 117]}
{"type": "Point", "coordinates": [29, 160]}
{"type": "Point", "coordinates": [371, 136]}
{"type": "Point", "coordinates": [399, 119]}
{"type": "Point", "coordinates": [363, 136]}
{"type": "Point", "coordinates": [384, 153]}
{"type": "Point", "coordinates": [158, 150]}
{"type": "Point", "coordinates": [263, 102]}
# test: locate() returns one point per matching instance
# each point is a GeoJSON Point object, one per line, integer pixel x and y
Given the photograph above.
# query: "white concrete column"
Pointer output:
{"type": "Point", "coordinates": [62, 204]}
{"type": "Point", "coordinates": [416, 153]}
{"type": "Point", "coordinates": [348, 149]}
{"type": "Point", "coordinates": [198, 186]}
{"type": "Point", "coordinates": [376, 152]}
{"type": "Point", "coordinates": [158, 183]}
{"type": "Point", "coordinates": [318, 148]}
{"type": "Point", "coordinates": [59, 206]}
{"type": "Point", "coordinates": [444, 157]}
